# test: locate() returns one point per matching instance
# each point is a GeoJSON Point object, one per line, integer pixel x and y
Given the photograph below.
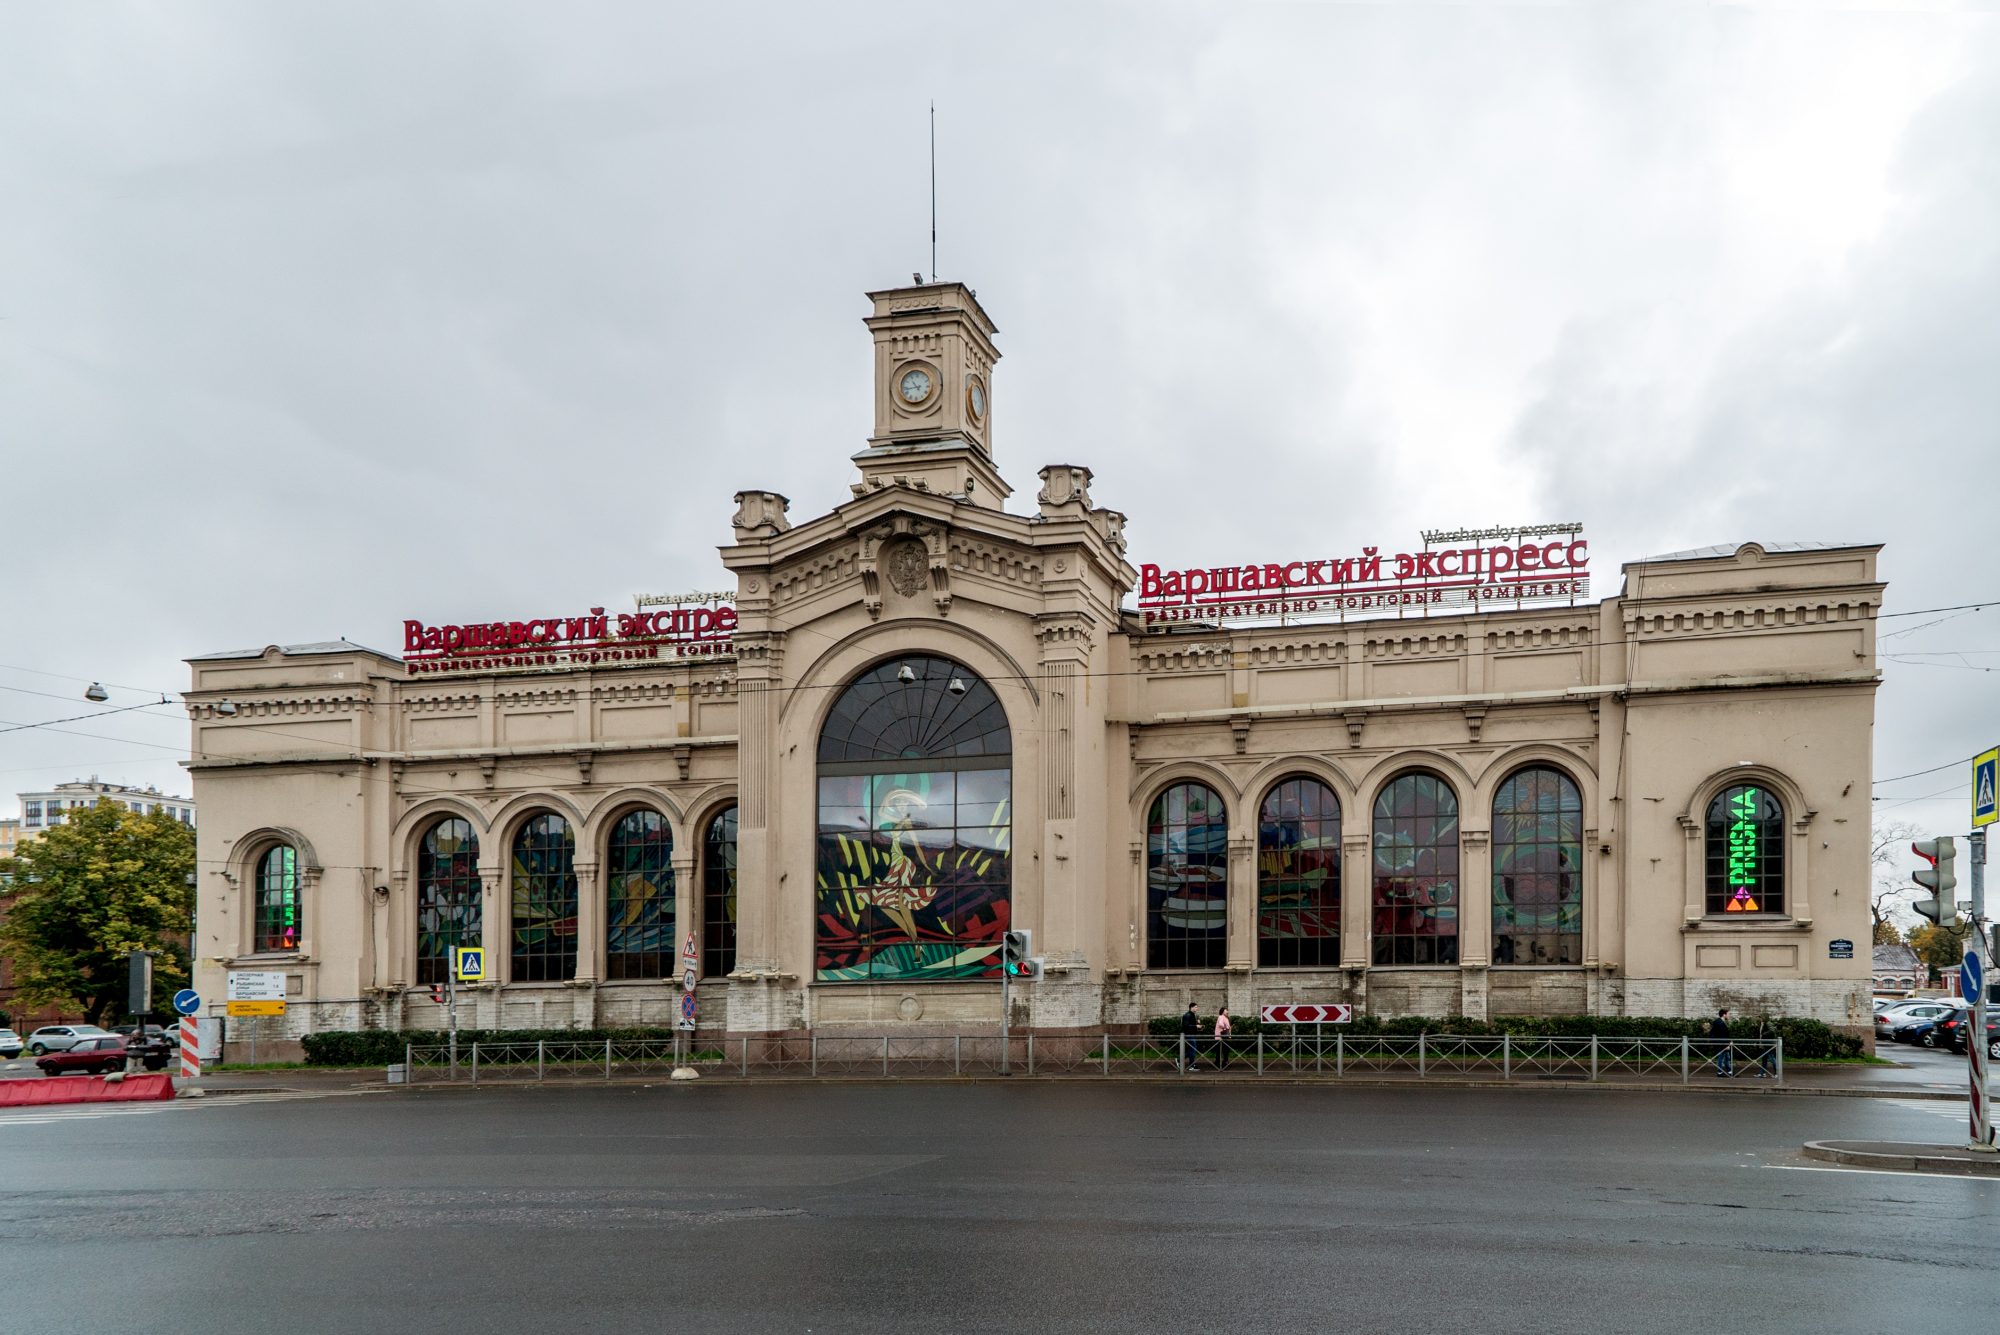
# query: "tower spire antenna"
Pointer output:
{"type": "Point", "coordinates": [933, 190]}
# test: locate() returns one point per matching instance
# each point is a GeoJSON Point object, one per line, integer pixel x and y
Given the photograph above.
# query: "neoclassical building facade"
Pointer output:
{"type": "Point", "coordinates": [920, 719]}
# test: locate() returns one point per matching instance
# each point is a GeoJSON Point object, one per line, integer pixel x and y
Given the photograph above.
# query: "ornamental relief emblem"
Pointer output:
{"type": "Point", "coordinates": [907, 565]}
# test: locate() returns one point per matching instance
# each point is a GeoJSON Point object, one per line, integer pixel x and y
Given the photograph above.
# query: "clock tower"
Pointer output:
{"type": "Point", "coordinates": [934, 357]}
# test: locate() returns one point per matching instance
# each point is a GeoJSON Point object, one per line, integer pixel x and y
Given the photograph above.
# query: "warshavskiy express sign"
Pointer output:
{"type": "Point", "coordinates": [691, 625]}
{"type": "Point", "coordinates": [1534, 563]}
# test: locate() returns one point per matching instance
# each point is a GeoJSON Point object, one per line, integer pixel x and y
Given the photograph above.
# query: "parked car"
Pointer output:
{"type": "Point", "coordinates": [62, 1037]}
{"type": "Point", "coordinates": [87, 1056]}
{"type": "Point", "coordinates": [1908, 1012]}
{"type": "Point", "coordinates": [1946, 1030]}
{"type": "Point", "coordinates": [10, 1044]}
{"type": "Point", "coordinates": [1992, 1036]}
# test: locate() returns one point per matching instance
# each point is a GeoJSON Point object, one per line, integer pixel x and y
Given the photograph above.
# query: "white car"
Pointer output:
{"type": "Point", "coordinates": [62, 1037]}
{"type": "Point", "coordinates": [10, 1043]}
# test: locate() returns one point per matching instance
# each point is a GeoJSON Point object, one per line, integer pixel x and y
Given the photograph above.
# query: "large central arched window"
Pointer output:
{"type": "Point", "coordinates": [1298, 876]}
{"type": "Point", "coordinates": [448, 896]}
{"type": "Point", "coordinates": [1538, 869]}
{"type": "Point", "coordinates": [1187, 879]}
{"type": "Point", "coordinates": [915, 826]}
{"type": "Point", "coordinates": [544, 901]}
{"type": "Point", "coordinates": [639, 897]}
{"type": "Point", "coordinates": [1416, 872]}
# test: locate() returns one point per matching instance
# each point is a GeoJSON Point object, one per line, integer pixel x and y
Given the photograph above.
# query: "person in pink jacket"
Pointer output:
{"type": "Point", "coordinates": [1222, 1028]}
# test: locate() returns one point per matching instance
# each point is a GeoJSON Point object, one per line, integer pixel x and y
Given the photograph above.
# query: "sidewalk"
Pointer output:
{"type": "Point", "coordinates": [1833, 1080]}
{"type": "Point", "coordinates": [1906, 1156]}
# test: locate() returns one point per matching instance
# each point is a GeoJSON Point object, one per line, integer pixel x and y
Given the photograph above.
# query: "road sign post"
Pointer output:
{"type": "Point", "coordinates": [684, 1019]}
{"type": "Point", "coordinates": [1972, 974]}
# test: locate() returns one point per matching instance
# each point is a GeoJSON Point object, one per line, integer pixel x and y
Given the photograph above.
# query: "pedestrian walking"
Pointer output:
{"type": "Point", "coordinates": [1718, 1028]}
{"type": "Point", "coordinates": [1222, 1028]}
{"type": "Point", "coordinates": [1767, 1051]}
{"type": "Point", "coordinates": [1190, 1036]}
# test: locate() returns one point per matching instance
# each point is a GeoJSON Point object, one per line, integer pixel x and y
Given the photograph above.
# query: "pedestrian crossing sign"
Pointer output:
{"type": "Point", "coordinates": [1985, 773]}
{"type": "Point", "coordinates": [471, 964]}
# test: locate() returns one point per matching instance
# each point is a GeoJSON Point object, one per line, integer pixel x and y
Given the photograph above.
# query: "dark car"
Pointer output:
{"type": "Point", "coordinates": [90, 1056]}
{"type": "Point", "coordinates": [1958, 1034]}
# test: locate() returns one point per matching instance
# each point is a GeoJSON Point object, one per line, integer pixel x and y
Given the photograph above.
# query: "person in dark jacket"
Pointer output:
{"type": "Point", "coordinates": [1718, 1028]}
{"type": "Point", "coordinates": [1190, 1030]}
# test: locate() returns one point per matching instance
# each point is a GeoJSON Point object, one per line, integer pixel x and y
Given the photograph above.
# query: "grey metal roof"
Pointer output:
{"type": "Point", "coordinates": [291, 651]}
{"type": "Point", "coordinates": [1726, 551]}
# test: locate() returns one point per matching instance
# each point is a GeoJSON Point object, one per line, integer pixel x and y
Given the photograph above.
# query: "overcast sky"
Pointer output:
{"type": "Point", "coordinates": [316, 317]}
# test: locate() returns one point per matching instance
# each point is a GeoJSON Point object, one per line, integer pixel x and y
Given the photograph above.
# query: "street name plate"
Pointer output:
{"type": "Point", "coordinates": [255, 986]}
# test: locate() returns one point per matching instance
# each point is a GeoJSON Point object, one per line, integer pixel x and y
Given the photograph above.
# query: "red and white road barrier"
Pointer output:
{"type": "Point", "coordinates": [190, 1048]}
{"type": "Point", "coordinates": [1306, 1014]}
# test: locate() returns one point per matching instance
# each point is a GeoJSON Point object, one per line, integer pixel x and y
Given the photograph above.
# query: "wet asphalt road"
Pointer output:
{"type": "Point", "coordinates": [987, 1207]}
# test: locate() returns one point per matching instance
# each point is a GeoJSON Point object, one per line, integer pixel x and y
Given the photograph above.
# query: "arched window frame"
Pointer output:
{"type": "Point", "coordinates": [542, 918]}
{"type": "Point", "coordinates": [278, 912]}
{"type": "Point", "coordinates": [450, 899]}
{"type": "Point", "coordinates": [1754, 860]}
{"type": "Point", "coordinates": [1298, 874]}
{"type": "Point", "coordinates": [640, 919]}
{"type": "Point", "coordinates": [1414, 886]}
{"type": "Point", "coordinates": [718, 893]}
{"type": "Point", "coordinates": [914, 865]}
{"type": "Point", "coordinates": [1187, 877]}
{"type": "Point", "coordinates": [1553, 934]}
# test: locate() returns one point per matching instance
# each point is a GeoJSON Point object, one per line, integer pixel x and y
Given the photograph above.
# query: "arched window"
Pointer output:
{"type": "Point", "coordinates": [915, 826]}
{"type": "Point", "coordinates": [1746, 851]}
{"type": "Point", "coordinates": [1187, 879]}
{"type": "Point", "coordinates": [1538, 869]}
{"type": "Point", "coordinates": [544, 901]}
{"type": "Point", "coordinates": [718, 896]}
{"type": "Point", "coordinates": [448, 896]}
{"type": "Point", "coordinates": [277, 925]}
{"type": "Point", "coordinates": [1298, 876]}
{"type": "Point", "coordinates": [1416, 872]}
{"type": "Point", "coordinates": [639, 897]}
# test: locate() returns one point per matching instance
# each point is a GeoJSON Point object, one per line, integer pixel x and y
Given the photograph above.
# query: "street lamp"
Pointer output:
{"type": "Point", "coordinates": [97, 695]}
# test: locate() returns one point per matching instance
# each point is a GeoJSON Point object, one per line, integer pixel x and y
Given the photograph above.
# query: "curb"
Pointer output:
{"type": "Point", "coordinates": [1175, 1081]}
{"type": "Point", "coordinates": [1908, 1158]}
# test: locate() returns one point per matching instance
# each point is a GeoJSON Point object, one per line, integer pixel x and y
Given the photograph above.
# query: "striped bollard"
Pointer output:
{"type": "Point", "coordinates": [190, 1048]}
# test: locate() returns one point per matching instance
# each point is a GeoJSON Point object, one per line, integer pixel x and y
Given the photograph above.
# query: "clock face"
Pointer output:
{"type": "Point", "coordinates": [977, 398]}
{"type": "Point", "coordinates": [915, 386]}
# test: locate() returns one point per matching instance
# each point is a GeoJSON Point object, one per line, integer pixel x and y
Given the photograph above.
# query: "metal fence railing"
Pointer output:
{"type": "Point", "coordinates": [1289, 1054]}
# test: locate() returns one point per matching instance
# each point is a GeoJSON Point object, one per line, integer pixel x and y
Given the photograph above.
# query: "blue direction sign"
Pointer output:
{"type": "Point", "coordinates": [187, 1001]}
{"type": "Point", "coordinates": [1970, 982]}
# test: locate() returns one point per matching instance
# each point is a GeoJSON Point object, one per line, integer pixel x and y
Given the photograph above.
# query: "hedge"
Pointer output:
{"type": "Point", "coordinates": [381, 1047]}
{"type": "Point", "coordinates": [1804, 1039]}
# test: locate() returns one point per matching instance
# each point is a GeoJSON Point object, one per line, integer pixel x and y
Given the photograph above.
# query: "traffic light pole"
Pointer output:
{"type": "Point", "coordinates": [1975, 1041]}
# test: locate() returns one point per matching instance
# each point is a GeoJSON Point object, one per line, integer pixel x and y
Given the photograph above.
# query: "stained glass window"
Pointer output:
{"type": "Point", "coordinates": [544, 901]}
{"type": "Point", "coordinates": [1187, 879]}
{"type": "Point", "coordinates": [1298, 876]}
{"type": "Point", "coordinates": [718, 896]}
{"type": "Point", "coordinates": [915, 826]}
{"type": "Point", "coordinates": [1746, 851]}
{"type": "Point", "coordinates": [1538, 869]}
{"type": "Point", "coordinates": [639, 898]}
{"type": "Point", "coordinates": [277, 925]}
{"type": "Point", "coordinates": [448, 896]}
{"type": "Point", "coordinates": [1416, 872]}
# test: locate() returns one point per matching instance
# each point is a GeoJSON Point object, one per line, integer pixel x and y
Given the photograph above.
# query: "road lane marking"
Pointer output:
{"type": "Point", "coordinates": [1881, 1172]}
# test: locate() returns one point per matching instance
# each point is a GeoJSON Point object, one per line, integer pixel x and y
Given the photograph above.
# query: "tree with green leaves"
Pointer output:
{"type": "Point", "coordinates": [1940, 948]}
{"type": "Point", "coordinates": [106, 882]}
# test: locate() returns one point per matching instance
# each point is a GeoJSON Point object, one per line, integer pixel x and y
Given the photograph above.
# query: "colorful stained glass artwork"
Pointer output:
{"type": "Point", "coordinates": [915, 859]}
{"type": "Point", "coordinates": [639, 898]}
{"type": "Point", "coordinates": [1187, 879]}
{"type": "Point", "coordinates": [1415, 906]}
{"type": "Point", "coordinates": [448, 896]}
{"type": "Point", "coordinates": [544, 901]}
{"type": "Point", "coordinates": [1298, 876]}
{"type": "Point", "coordinates": [1537, 869]}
